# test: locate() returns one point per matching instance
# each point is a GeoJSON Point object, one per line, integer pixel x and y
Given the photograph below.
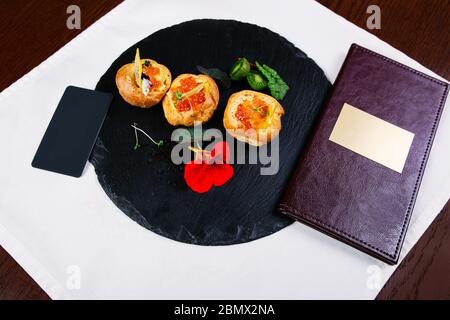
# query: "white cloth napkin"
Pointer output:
{"type": "Point", "coordinates": [75, 243]}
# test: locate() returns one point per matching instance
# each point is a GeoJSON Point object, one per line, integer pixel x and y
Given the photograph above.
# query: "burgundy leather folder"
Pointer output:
{"type": "Point", "coordinates": [347, 194]}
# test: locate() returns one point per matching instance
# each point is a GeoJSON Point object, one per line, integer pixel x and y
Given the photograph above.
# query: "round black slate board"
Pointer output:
{"type": "Point", "coordinates": [150, 189]}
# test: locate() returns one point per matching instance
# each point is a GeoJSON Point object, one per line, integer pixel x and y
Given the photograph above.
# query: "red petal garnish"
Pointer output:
{"type": "Point", "coordinates": [221, 152]}
{"type": "Point", "coordinates": [221, 173]}
{"type": "Point", "coordinates": [201, 175]}
{"type": "Point", "coordinates": [198, 176]}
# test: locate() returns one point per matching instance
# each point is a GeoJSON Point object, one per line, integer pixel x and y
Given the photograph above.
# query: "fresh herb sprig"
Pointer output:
{"type": "Point", "coordinates": [178, 95]}
{"type": "Point", "coordinates": [262, 112]}
{"type": "Point", "coordinates": [278, 88]}
{"type": "Point", "coordinates": [259, 77]}
{"type": "Point", "coordinates": [216, 74]}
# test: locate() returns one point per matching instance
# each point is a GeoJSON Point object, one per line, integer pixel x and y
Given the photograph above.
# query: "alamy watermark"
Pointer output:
{"type": "Point", "coordinates": [266, 155]}
{"type": "Point", "coordinates": [374, 19]}
{"type": "Point", "coordinates": [73, 281]}
{"type": "Point", "coordinates": [74, 19]}
{"type": "Point", "coordinates": [374, 277]}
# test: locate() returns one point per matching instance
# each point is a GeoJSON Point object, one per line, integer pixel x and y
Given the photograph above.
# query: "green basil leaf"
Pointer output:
{"type": "Point", "coordinates": [216, 74]}
{"type": "Point", "coordinates": [278, 88]}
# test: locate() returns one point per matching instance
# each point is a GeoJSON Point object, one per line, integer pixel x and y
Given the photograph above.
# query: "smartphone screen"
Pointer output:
{"type": "Point", "coordinates": [72, 131]}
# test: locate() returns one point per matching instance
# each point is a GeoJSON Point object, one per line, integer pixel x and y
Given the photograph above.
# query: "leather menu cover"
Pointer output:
{"type": "Point", "coordinates": [343, 191]}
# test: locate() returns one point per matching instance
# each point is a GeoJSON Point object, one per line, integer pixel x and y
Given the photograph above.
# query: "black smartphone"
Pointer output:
{"type": "Point", "coordinates": [72, 131]}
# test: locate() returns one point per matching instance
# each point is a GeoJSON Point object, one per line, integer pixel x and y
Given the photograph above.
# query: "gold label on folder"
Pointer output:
{"type": "Point", "coordinates": [372, 137]}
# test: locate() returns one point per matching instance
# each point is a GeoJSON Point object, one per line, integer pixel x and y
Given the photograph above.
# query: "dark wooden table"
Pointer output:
{"type": "Point", "coordinates": [32, 30]}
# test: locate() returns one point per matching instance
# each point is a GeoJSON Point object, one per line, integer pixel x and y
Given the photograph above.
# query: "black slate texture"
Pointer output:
{"type": "Point", "coordinates": [150, 189]}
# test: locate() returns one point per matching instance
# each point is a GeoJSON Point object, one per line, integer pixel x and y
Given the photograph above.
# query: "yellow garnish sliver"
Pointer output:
{"type": "Point", "coordinates": [138, 69]}
{"type": "Point", "coordinates": [194, 91]}
{"type": "Point", "coordinates": [198, 149]}
{"type": "Point", "coordinates": [270, 113]}
{"type": "Point", "coordinates": [190, 93]}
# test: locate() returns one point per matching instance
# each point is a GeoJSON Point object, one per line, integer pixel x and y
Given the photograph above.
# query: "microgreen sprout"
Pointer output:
{"type": "Point", "coordinates": [178, 95]}
{"type": "Point", "coordinates": [137, 145]}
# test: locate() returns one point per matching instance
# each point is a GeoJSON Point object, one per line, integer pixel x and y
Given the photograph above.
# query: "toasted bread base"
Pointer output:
{"type": "Point", "coordinates": [188, 118]}
{"type": "Point", "coordinates": [132, 94]}
{"type": "Point", "coordinates": [252, 136]}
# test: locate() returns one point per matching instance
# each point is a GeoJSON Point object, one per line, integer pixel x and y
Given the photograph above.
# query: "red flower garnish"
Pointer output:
{"type": "Point", "coordinates": [209, 168]}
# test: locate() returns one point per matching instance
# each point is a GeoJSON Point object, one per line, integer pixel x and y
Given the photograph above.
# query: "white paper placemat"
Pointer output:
{"type": "Point", "coordinates": [75, 243]}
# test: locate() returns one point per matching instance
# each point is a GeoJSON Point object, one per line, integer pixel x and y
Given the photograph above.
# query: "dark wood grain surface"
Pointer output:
{"type": "Point", "coordinates": [32, 30]}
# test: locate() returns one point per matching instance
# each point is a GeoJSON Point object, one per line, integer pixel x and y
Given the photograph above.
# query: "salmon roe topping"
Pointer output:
{"type": "Point", "coordinates": [187, 84]}
{"type": "Point", "coordinates": [194, 101]}
{"type": "Point", "coordinates": [151, 71]}
{"type": "Point", "coordinates": [155, 83]}
{"type": "Point", "coordinates": [183, 106]}
{"type": "Point", "coordinates": [197, 99]}
{"type": "Point", "coordinates": [243, 116]}
{"type": "Point", "coordinates": [252, 114]}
